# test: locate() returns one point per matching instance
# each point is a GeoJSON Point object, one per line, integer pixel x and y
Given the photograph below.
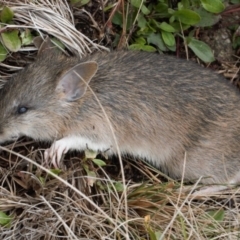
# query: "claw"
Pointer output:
{"type": "Point", "coordinates": [54, 153]}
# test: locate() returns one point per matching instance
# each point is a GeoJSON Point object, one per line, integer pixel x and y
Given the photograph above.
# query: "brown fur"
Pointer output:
{"type": "Point", "coordinates": [160, 107]}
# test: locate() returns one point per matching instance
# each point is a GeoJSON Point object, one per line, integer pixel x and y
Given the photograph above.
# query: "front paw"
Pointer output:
{"type": "Point", "coordinates": [55, 152]}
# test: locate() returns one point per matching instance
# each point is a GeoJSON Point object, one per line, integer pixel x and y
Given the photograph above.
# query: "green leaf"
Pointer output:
{"type": "Point", "coordinates": [139, 3]}
{"type": "Point", "coordinates": [152, 234]}
{"type": "Point", "coordinates": [91, 174]}
{"type": "Point", "coordinates": [145, 10]}
{"type": "Point", "coordinates": [187, 16]}
{"type": "Point", "coordinates": [207, 19]}
{"type": "Point", "coordinates": [179, 26]}
{"type": "Point", "coordinates": [55, 171]}
{"type": "Point", "coordinates": [99, 162]}
{"type": "Point", "coordinates": [3, 52]}
{"type": "Point", "coordinates": [171, 48]}
{"type": "Point", "coordinates": [168, 38]}
{"type": "Point", "coordinates": [148, 48]}
{"type": "Point", "coordinates": [166, 27]}
{"type": "Point", "coordinates": [140, 40]}
{"type": "Point", "coordinates": [135, 47]}
{"type": "Point", "coordinates": [117, 18]}
{"type": "Point", "coordinates": [79, 2]}
{"type": "Point", "coordinates": [153, 24]}
{"type": "Point", "coordinates": [201, 49]}
{"type": "Point", "coordinates": [84, 2]}
{"type": "Point", "coordinates": [144, 31]}
{"type": "Point", "coordinates": [11, 40]}
{"type": "Point", "coordinates": [42, 180]}
{"type": "Point", "coordinates": [57, 43]}
{"type": "Point", "coordinates": [141, 21]}
{"type": "Point", "coordinates": [119, 186]}
{"type": "Point", "coordinates": [26, 37]}
{"type": "Point", "coordinates": [6, 15]}
{"type": "Point", "coordinates": [4, 219]}
{"type": "Point", "coordinates": [161, 7]}
{"type": "Point", "coordinates": [136, 3]}
{"type": "Point", "coordinates": [90, 153]}
{"type": "Point", "coordinates": [213, 6]}
{"type": "Point", "coordinates": [180, 6]}
{"type": "Point", "coordinates": [217, 215]}
{"type": "Point", "coordinates": [156, 39]}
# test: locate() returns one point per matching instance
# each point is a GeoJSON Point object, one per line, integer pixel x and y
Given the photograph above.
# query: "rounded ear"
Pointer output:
{"type": "Point", "coordinates": [73, 84]}
{"type": "Point", "coordinates": [43, 45]}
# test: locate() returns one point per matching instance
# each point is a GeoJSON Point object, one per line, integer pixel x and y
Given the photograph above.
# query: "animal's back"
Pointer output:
{"type": "Point", "coordinates": [164, 108]}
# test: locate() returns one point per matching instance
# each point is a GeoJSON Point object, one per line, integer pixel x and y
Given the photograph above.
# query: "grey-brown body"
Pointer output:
{"type": "Point", "coordinates": [162, 109]}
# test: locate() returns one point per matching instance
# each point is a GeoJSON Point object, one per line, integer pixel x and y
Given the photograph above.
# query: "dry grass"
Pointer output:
{"type": "Point", "coordinates": [72, 205]}
{"type": "Point", "coordinates": [85, 201]}
{"type": "Point", "coordinates": [50, 17]}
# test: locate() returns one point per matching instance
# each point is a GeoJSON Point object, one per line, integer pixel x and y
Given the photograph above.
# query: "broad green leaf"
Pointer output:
{"type": "Point", "coordinates": [141, 21]}
{"type": "Point", "coordinates": [166, 27]}
{"type": "Point", "coordinates": [161, 7]}
{"type": "Point", "coordinates": [26, 37]}
{"type": "Point", "coordinates": [4, 219]}
{"type": "Point", "coordinates": [171, 11]}
{"type": "Point", "coordinates": [172, 19]}
{"type": "Point", "coordinates": [201, 49]}
{"type": "Point", "coordinates": [207, 19]}
{"type": "Point", "coordinates": [139, 3]}
{"type": "Point", "coordinates": [144, 31]}
{"type": "Point", "coordinates": [172, 48]}
{"type": "Point", "coordinates": [180, 6]}
{"type": "Point", "coordinates": [168, 38]}
{"type": "Point", "coordinates": [11, 40]}
{"type": "Point", "coordinates": [213, 6]}
{"type": "Point", "coordinates": [136, 3]}
{"type": "Point", "coordinates": [135, 46]}
{"type": "Point", "coordinates": [99, 162]}
{"type": "Point", "coordinates": [148, 48]}
{"type": "Point", "coordinates": [162, 10]}
{"type": "Point", "coordinates": [156, 39]}
{"type": "Point", "coordinates": [119, 186]}
{"type": "Point", "coordinates": [145, 10]}
{"type": "Point", "coordinates": [140, 40]}
{"type": "Point", "coordinates": [6, 15]}
{"type": "Point", "coordinates": [3, 52]}
{"type": "Point", "coordinates": [187, 16]}
{"type": "Point", "coordinates": [179, 26]}
{"type": "Point", "coordinates": [117, 18]}
{"type": "Point", "coordinates": [153, 24]}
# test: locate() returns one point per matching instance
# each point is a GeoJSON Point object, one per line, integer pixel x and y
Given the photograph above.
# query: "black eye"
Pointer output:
{"type": "Point", "coordinates": [22, 110]}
